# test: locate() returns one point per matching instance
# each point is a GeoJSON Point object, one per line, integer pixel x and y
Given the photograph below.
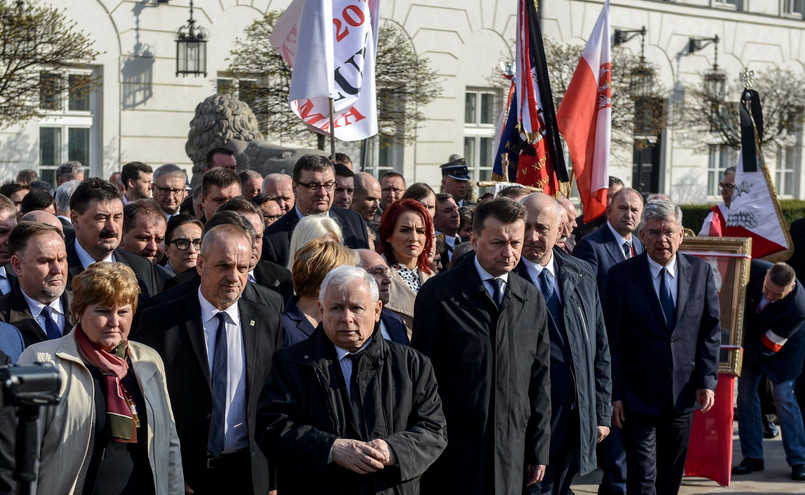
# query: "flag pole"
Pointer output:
{"type": "Point", "coordinates": [332, 129]}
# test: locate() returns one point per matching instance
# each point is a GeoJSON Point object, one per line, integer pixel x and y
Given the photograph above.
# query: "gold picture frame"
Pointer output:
{"type": "Point", "coordinates": [730, 258]}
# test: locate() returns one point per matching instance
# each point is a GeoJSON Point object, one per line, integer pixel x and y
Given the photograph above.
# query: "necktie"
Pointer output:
{"type": "Point", "coordinates": [5, 285]}
{"type": "Point", "coordinates": [551, 299]}
{"type": "Point", "coordinates": [627, 249]}
{"type": "Point", "coordinates": [497, 295]}
{"type": "Point", "coordinates": [215, 441]}
{"type": "Point", "coordinates": [355, 391]}
{"type": "Point", "coordinates": [51, 328]}
{"type": "Point", "coordinates": [666, 300]}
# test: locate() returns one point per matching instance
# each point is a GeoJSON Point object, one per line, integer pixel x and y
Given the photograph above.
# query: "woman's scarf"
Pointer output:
{"type": "Point", "coordinates": [121, 413]}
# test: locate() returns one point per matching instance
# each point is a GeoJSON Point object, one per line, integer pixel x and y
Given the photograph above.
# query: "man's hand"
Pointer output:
{"type": "Point", "coordinates": [357, 456]}
{"type": "Point", "coordinates": [187, 489]}
{"type": "Point", "coordinates": [618, 416]}
{"type": "Point", "coordinates": [603, 432]}
{"type": "Point", "coordinates": [389, 457]}
{"type": "Point", "coordinates": [534, 473]}
{"type": "Point", "coordinates": [705, 398]}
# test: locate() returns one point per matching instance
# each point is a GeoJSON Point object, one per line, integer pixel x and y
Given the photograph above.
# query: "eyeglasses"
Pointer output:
{"type": "Point", "coordinates": [168, 190]}
{"type": "Point", "coordinates": [315, 186]}
{"type": "Point", "coordinates": [380, 272]}
{"type": "Point", "coordinates": [184, 244]}
{"type": "Point", "coordinates": [728, 187]}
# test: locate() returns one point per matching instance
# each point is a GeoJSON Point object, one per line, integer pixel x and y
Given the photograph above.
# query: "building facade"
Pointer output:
{"type": "Point", "coordinates": [142, 109]}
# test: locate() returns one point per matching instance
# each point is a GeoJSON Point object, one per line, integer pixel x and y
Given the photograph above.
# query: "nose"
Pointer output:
{"type": "Point", "coordinates": [151, 244]}
{"type": "Point", "coordinates": [508, 251]}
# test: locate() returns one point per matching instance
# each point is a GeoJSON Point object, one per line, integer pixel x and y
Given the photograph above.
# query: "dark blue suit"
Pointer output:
{"type": "Point", "coordinates": [277, 239]}
{"type": "Point", "coordinates": [657, 369]}
{"type": "Point", "coordinates": [297, 326]}
{"type": "Point", "coordinates": [395, 326]}
{"type": "Point", "coordinates": [580, 373]}
{"type": "Point", "coordinates": [602, 252]}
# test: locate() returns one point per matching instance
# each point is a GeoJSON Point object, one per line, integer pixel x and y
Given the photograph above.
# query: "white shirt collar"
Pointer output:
{"type": "Point", "coordinates": [208, 311]}
{"type": "Point", "coordinates": [485, 275]}
{"type": "Point", "coordinates": [36, 307]}
{"type": "Point", "coordinates": [87, 259]}
{"type": "Point", "coordinates": [656, 267]}
{"type": "Point", "coordinates": [537, 268]}
{"type": "Point", "coordinates": [342, 353]}
{"type": "Point", "coordinates": [619, 238]}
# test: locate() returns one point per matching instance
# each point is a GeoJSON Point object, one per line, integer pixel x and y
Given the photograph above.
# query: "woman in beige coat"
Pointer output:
{"type": "Point", "coordinates": [405, 238]}
{"type": "Point", "coordinates": [113, 430]}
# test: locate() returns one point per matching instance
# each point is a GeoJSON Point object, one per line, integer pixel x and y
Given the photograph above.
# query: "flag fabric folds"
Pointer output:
{"type": "Point", "coordinates": [331, 45]}
{"type": "Point", "coordinates": [507, 141]}
{"type": "Point", "coordinates": [585, 117]}
{"type": "Point", "coordinates": [710, 448]}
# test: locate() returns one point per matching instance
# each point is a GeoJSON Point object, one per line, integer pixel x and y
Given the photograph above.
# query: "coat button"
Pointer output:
{"type": "Point", "coordinates": [208, 416]}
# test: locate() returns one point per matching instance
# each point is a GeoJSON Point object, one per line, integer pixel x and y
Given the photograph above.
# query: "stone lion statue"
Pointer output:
{"type": "Point", "coordinates": [223, 121]}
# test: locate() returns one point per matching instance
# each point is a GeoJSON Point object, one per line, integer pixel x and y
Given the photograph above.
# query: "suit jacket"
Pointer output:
{"type": "Point", "coordinates": [586, 339]}
{"type": "Point", "coordinates": [252, 292]}
{"type": "Point", "coordinates": [150, 282]}
{"type": "Point", "coordinates": [277, 238]}
{"type": "Point", "coordinates": [14, 310]}
{"type": "Point", "coordinates": [602, 252]}
{"type": "Point", "coordinates": [784, 318]}
{"type": "Point", "coordinates": [176, 331]}
{"type": "Point", "coordinates": [274, 277]}
{"type": "Point", "coordinates": [654, 366]}
{"type": "Point", "coordinates": [395, 326]}
{"type": "Point", "coordinates": [297, 326]}
{"type": "Point", "coordinates": [493, 370]}
{"type": "Point", "coordinates": [67, 228]}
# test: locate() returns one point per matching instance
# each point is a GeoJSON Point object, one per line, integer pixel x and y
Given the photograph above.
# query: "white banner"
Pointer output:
{"type": "Point", "coordinates": [331, 46]}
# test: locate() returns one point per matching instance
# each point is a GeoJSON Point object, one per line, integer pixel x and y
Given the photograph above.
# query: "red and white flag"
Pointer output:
{"type": "Point", "coordinates": [584, 118]}
{"type": "Point", "coordinates": [755, 212]}
{"type": "Point", "coordinates": [331, 45]}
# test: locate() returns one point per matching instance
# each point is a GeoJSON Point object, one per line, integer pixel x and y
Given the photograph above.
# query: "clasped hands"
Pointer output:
{"type": "Point", "coordinates": [363, 457]}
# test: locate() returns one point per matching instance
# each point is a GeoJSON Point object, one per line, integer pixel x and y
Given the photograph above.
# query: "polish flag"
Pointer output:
{"type": "Point", "coordinates": [585, 116]}
{"type": "Point", "coordinates": [755, 212]}
{"type": "Point", "coordinates": [716, 221]}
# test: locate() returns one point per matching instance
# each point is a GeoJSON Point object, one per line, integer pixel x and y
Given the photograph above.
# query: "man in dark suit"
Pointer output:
{"type": "Point", "coordinates": [662, 315]}
{"type": "Point", "coordinates": [8, 219]}
{"type": "Point", "coordinates": [96, 210]}
{"type": "Point", "coordinates": [485, 331]}
{"type": "Point", "coordinates": [313, 186]}
{"type": "Point", "coordinates": [774, 344]}
{"type": "Point", "coordinates": [62, 203]}
{"type": "Point", "coordinates": [217, 348]}
{"type": "Point", "coordinates": [603, 249]}
{"type": "Point", "coordinates": [39, 305]}
{"type": "Point", "coordinates": [263, 272]}
{"type": "Point", "coordinates": [580, 370]}
{"type": "Point", "coordinates": [392, 327]}
{"type": "Point", "coordinates": [583, 229]}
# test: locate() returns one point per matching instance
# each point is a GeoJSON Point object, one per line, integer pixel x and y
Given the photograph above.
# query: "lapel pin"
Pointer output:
{"type": "Point", "coordinates": [251, 322]}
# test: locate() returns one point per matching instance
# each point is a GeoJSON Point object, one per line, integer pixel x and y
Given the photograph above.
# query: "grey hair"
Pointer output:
{"type": "Point", "coordinates": [169, 169]}
{"type": "Point", "coordinates": [69, 168]}
{"type": "Point", "coordinates": [312, 227]}
{"type": "Point", "coordinates": [339, 277]}
{"type": "Point", "coordinates": [63, 195]}
{"type": "Point", "coordinates": [661, 209]}
{"type": "Point", "coordinates": [729, 170]}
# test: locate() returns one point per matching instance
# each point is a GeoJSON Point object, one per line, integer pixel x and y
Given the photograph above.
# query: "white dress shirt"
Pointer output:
{"type": "Point", "coordinates": [36, 307]}
{"type": "Point", "coordinates": [485, 276]}
{"type": "Point", "coordinates": [670, 277]}
{"type": "Point", "coordinates": [236, 434]}
{"type": "Point", "coordinates": [535, 269]}
{"type": "Point", "coordinates": [87, 259]}
{"type": "Point", "coordinates": [5, 285]}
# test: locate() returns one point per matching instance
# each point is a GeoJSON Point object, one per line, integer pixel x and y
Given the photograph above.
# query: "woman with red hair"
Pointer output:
{"type": "Point", "coordinates": [405, 238]}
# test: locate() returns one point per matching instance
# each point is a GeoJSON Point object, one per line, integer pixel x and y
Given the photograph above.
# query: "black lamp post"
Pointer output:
{"type": "Point", "coordinates": [641, 76]}
{"type": "Point", "coordinates": [714, 78]}
{"type": "Point", "coordinates": [191, 48]}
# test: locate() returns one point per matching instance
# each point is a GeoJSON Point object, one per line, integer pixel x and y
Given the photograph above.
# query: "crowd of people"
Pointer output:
{"type": "Point", "coordinates": [334, 332]}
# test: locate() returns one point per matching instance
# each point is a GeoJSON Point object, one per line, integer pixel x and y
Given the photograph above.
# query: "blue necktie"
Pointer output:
{"type": "Point", "coordinates": [551, 299]}
{"type": "Point", "coordinates": [51, 328]}
{"type": "Point", "coordinates": [666, 300]}
{"type": "Point", "coordinates": [215, 441]}
{"type": "Point", "coordinates": [627, 249]}
{"type": "Point", "coordinates": [497, 295]}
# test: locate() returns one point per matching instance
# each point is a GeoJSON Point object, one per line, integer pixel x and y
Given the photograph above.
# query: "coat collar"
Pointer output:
{"type": "Point", "coordinates": [472, 286]}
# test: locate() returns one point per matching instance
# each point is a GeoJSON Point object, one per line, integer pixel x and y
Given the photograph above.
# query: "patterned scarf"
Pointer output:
{"type": "Point", "coordinates": [121, 413]}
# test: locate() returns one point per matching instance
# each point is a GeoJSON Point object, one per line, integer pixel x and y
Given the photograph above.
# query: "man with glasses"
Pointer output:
{"type": "Point", "coordinates": [392, 188]}
{"type": "Point", "coordinates": [392, 327]}
{"type": "Point", "coordinates": [169, 188]}
{"type": "Point", "coordinates": [314, 187]}
{"type": "Point", "coordinates": [716, 221]}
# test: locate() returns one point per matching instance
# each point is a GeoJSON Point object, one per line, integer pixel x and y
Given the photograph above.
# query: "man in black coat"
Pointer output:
{"type": "Point", "coordinates": [485, 330]}
{"type": "Point", "coordinates": [38, 305]}
{"type": "Point", "coordinates": [217, 348]}
{"type": "Point", "coordinates": [774, 344]}
{"type": "Point", "coordinates": [662, 315]}
{"type": "Point", "coordinates": [580, 373]}
{"type": "Point", "coordinates": [313, 186]}
{"type": "Point", "coordinates": [603, 249]}
{"type": "Point", "coordinates": [96, 210]}
{"type": "Point", "coordinates": [346, 411]}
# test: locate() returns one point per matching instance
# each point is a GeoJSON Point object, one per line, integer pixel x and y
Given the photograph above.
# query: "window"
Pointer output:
{"type": "Point", "coordinates": [789, 157]}
{"type": "Point", "coordinates": [721, 157]}
{"type": "Point", "coordinates": [67, 132]}
{"type": "Point", "coordinates": [734, 4]}
{"type": "Point", "coordinates": [482, 109]}
{"type": "Point", "coordinates": [794, 8]}
{"type": "Point", "coordinates": [245, 90]}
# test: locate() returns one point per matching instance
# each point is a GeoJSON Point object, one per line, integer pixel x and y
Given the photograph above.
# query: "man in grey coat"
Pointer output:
{"type": "Point", "coordinates": [581, 386]}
